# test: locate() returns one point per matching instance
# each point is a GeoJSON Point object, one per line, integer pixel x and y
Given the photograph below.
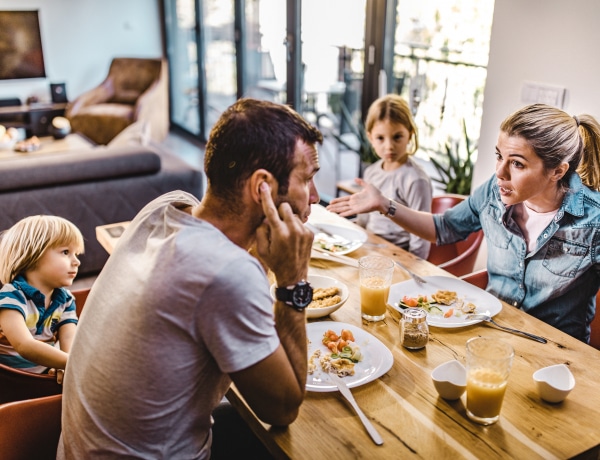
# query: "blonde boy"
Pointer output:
{"type": "Point", "coordinates": [38, 258]}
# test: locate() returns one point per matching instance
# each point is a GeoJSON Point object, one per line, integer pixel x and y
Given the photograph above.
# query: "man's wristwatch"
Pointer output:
{"type": "Point", "coordinates": [297, 295]}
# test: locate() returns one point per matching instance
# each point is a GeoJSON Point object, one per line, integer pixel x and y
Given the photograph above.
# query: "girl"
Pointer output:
{"type": "Point", "coordinates": [38, 257]}
{"type": "Point", "coordinates": [393, 134]}
{"type": "Point", "coordinates": [541, 222]}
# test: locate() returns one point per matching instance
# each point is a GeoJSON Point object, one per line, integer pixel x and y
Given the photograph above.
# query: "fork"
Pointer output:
{"type": "Point", "coordinates": [413, 275]}
{"type": "Point", "coordinates": [488, 318]}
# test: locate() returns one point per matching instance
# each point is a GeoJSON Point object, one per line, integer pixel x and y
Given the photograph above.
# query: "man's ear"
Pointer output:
{"type": "Point", "coordinates": [258, 177]}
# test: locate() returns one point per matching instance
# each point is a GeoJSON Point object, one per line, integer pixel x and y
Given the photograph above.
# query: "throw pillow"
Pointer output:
{"type": "Point", "coordinates": [137, 133]}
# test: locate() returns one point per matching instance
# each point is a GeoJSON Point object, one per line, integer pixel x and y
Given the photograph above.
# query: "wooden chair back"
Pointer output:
{"type": "Point", "coordinates": [30, 428]}
{"type": "Point", "coordinates": [457, 258]}
{"type": "Point", "coordinates": [81, 296]}
{"type": "Point", "coordinates": [17, 385]}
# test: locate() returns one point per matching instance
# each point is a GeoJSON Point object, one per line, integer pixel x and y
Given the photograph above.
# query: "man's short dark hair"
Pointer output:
{"type": "Point", "coordinates": [253, 134]}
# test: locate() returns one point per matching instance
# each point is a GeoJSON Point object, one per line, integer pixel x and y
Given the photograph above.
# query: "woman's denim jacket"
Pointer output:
{"type": "Point", "coordinates": [558, 281]}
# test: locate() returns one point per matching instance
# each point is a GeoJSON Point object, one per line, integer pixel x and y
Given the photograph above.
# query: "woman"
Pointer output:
{"type": "Point", "coordinates": [541, 222]}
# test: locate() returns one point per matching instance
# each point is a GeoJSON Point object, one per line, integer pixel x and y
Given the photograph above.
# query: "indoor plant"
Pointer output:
{"type": "Point", "coordinates": [454, 168]}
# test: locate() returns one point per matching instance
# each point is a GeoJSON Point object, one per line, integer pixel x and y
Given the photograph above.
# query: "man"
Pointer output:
{"type": "Point", "coordinates": [182, 309]}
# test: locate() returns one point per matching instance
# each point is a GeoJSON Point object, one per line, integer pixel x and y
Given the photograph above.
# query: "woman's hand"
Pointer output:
{"type": "Point", "coordinates": [367, 200]}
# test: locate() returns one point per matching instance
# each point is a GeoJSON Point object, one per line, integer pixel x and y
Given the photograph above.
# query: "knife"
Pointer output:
{"type": "Point", "coordinates": [346, 393]}
{"type": "Point", "coordinates": [335, 257]}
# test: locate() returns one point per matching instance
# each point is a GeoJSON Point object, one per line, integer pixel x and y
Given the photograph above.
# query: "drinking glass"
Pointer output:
{"type": "Point", "coordinates": [488, 365]}
{"type": "Point", "coordinates": [375, 279]}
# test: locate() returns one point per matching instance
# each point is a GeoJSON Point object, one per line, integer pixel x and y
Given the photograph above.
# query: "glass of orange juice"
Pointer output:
{"type": "Point", "coordinates": [488, 366]}
{"type": "Point", "coordinates": [375, 279]}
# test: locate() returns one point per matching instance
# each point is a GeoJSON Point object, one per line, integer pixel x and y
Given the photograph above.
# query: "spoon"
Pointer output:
{"type": "Point", "coordinates": [489, 319]}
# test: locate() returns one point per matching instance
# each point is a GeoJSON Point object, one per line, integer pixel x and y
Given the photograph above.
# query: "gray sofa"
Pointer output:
{"type": "Point", "coordinates": [91, 187]}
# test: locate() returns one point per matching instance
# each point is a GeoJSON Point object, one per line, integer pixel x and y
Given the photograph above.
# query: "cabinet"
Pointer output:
{"type": "Point", "coordinates": [35, 118]}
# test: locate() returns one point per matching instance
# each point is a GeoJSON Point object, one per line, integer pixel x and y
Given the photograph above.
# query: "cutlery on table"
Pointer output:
{"type": "Point", "coordinates": [319, 253]}
{"type": "Point", "coordinates": [489, 319]}
{"type": "Point", "coordinates": [413, 275]}
{"type": "Point", "coordinates": [346, 393]}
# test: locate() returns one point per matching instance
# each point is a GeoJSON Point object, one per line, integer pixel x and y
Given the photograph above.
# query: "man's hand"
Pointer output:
{"type": "Point", "coordinates": [282, 241]}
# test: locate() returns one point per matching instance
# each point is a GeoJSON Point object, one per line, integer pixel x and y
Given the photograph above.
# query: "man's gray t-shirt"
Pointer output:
{"type": "Point", "coordinates": [177, 307]}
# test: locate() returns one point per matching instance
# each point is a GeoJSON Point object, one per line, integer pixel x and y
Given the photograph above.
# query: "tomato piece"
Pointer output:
{"type": "Point", "coordinates": [347, 335]}
{"type": "Point", "coordinates": [410, 301]}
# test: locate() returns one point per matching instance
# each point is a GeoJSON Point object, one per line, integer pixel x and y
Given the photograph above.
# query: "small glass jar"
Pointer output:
{"type": "Point", "coordinates": [414, 331]}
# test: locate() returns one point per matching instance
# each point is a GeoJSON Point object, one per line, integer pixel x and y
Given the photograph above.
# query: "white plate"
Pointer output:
{"type": "Point", "coordinates": [377, 358]}
{"type": "Point", "coordinates": [318, 281]}
{"type": "Point", "coordinates": [356, 235]}
{"type": "Point", "coordinates": [484, 301]}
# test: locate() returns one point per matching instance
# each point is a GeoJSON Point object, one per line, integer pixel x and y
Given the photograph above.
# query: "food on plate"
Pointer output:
{"type": "Point", "coordinates": [412, 302]}
{"type": "Point", "coordinates": [324, 242]}
{"type": "Point", "coordinates": [431, 304]}
{"type": "Point", "coordinates": [344, 354]}
{"type": "Point", "coordinates": [468, 308]}
{"type": "Point", "coordinates": [341, 366]}
{"type": "Point", "coordinates": [444, 297]}
{"type": "Point", "coordinates": [325, 297]}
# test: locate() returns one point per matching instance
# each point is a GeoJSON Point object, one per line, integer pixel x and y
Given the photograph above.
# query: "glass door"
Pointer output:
{"type": "Point", "coordinates": [265, 54]}
{"type": "Point", "coordinates": [218, 60]}
{"type": "Point", "coordinates": [440, 67]}
{"type": "Point", "coordinates": [182, 33]}
{"type": "Point", "coordinates": [333, 41]}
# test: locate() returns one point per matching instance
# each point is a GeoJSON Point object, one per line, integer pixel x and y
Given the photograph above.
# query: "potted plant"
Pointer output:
{"type": "Point", "coordinates": [356, 139]}
{"type": "Point", "coordinates": [455, 168]}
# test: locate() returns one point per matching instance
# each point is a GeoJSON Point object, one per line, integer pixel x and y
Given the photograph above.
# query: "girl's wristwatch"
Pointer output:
{"type": "Point", "coordinates": [297, 296]}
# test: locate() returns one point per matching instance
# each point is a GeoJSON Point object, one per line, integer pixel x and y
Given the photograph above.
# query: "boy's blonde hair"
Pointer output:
{"type": "Point", "coordinates": [22, 245]}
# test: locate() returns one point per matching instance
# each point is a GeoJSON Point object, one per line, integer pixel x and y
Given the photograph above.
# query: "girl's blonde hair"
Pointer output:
{"type": "Point", "coordinates": [395, 109]}
{"type": "Point", "coordinates": [22, 245]}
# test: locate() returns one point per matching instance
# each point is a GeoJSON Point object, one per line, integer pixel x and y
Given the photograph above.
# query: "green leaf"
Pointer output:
{"type": "Point", "coordinates": [454, 167]}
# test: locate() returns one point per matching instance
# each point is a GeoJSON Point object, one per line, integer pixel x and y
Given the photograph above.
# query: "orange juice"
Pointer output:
{"type": "Point", "coordinates": [485, 392]}
{"type": "Point", "coordinates": [374, 293]}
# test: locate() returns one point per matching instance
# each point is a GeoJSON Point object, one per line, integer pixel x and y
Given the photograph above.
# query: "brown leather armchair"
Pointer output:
{"type": "Point", "coordinates": [136, 89]}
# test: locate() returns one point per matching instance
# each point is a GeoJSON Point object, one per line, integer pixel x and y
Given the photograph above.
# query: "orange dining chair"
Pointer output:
{"type": "Point", "coordinates": [30, 428]}
{"type": "Point", "coordinates": [480, 279]}
{"type": "Point", "coordinates": [17, 385]}
{"type": "Point", "coordinates": [81, 296]}
{"type": "Point", "coordinates": [457, 258]}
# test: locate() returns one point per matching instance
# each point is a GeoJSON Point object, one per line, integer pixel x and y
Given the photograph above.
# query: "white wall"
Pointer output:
{"type": "Point", "coordinates": [548, 41]}
{"type": "Point", "coordinates": [80, 38]}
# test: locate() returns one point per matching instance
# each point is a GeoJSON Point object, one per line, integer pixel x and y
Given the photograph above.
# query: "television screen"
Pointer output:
{"type": "Point", "coordinates": [20, 45]}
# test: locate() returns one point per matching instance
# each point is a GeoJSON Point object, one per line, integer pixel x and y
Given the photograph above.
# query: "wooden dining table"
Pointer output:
{"type": "Point", "coordinates": [403, 404]}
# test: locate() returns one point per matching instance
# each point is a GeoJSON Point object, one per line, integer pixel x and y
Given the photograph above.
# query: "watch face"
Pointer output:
{"type": "Point", "coordinates": [302, 295]}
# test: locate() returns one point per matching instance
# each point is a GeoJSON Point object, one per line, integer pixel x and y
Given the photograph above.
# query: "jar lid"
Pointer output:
{"type": "Point", "coordinates": [414, 315]}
